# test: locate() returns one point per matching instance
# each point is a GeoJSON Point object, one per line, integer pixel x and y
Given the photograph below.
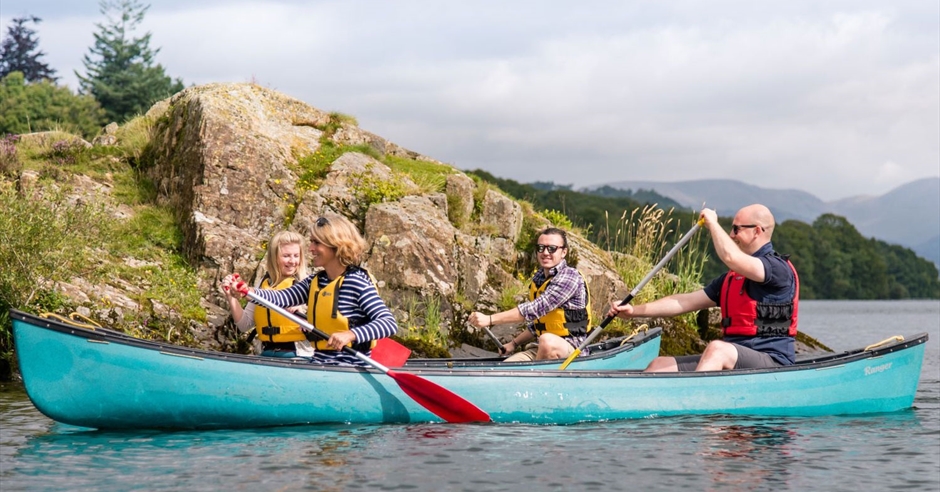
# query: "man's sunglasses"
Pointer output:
{"type": "Point", "coordinates": [551, 249]}
{"type": "Point", "coordinates": [737, 228]}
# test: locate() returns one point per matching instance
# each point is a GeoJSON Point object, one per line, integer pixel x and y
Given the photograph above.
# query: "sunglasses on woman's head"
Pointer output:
{"type": "Point", "coordinates": [322, 222]}
{"type": "Point", "coordinates": [551, 248]}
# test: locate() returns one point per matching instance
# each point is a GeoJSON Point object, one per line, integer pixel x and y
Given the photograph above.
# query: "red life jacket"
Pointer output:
{"type": "Point", "coordinates": [743, 316]}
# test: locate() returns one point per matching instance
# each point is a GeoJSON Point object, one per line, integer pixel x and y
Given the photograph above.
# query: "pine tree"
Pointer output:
{"type": "Point", "coordinates": [18, 52]}
{"type": "Point", "coordinates": [120, 69]}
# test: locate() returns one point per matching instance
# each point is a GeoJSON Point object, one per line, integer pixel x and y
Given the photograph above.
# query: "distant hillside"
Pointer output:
{"type": "Point", "coordinates": [641, 195]}
{"type": "Point", "coordinates": [929, 249]}
{"type": "Point", "coordinates": [727, 196]}
{"type": "Point", "coordinates": [835, 261]}
{"type": "Point", "coordinates": [907, 215]}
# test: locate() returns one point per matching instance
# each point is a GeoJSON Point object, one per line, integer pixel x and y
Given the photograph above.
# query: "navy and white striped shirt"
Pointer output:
{"type": "Point", "coordinates": [358, 301]}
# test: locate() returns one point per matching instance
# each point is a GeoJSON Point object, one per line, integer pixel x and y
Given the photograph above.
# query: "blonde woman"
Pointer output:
{"type": "Point", "coordinates": [285, 265]}
{"type": "Point", "coordinates": [341, 299]}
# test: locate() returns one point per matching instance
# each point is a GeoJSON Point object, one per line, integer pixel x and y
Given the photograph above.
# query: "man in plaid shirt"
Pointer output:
{"type": "Point", "coordinates": [558, 308]}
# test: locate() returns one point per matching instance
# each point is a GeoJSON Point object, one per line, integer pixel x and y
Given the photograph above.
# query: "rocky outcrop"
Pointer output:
{"type": "Point", "coordinates": [222, 155]}
{"type": "Point", "coordinates": [225, 158]}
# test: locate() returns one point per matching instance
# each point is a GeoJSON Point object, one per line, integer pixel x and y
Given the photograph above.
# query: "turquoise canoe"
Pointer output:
{"type": "Point", "coordinates": [100, 380]}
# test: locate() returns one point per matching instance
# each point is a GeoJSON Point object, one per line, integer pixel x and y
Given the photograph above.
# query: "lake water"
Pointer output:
{"type": "Point", "coordinates": [898, 451]}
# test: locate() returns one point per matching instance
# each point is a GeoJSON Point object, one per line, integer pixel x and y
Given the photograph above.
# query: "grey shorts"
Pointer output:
{"type": "Point", "coordinates": [747, 359]}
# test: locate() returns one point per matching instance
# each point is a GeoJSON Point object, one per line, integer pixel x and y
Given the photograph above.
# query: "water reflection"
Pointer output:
{"type": "Point", "coordinates": [686, 453]}
{"type": "Point", "coordinates": [796, 453]}
{"type": "Point", "coordinates": [748, 456]}
{"type": "Point", "coordinates": [95, 460]}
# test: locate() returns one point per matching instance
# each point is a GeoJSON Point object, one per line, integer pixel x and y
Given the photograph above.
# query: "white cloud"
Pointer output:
{"type": "Point", "coordinates": [814, 96]}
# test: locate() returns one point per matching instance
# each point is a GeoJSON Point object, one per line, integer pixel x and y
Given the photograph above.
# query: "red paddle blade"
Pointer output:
{"type": "Point", "coordinates": [439, 400]}
{"type": "Point", "coordinates": [390, 353]}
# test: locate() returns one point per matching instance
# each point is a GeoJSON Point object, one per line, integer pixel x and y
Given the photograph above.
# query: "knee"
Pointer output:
{"type": "Point", "coordinates": [720, 352]}
{"type": "Point", "coordinates": [715, 347]}
{"type": "Point", "coordinates": [662, 364]}
{"type": "Point", "coordinates": [550, 347]}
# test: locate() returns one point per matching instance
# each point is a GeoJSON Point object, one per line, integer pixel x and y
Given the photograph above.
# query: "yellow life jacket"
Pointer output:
{"type": "Point", "coordinates": [560, 321]}
{"type": "Point", "coordinates": [273, 327]}
{"type": "Point", "coordinates": [323, 312]}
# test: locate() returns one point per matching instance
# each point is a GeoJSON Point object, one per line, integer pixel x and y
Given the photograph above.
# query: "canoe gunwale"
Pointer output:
{"type": "Point", "coordinates": [107, 335]}
{"type": "Point", "coordinates": [111, 336]}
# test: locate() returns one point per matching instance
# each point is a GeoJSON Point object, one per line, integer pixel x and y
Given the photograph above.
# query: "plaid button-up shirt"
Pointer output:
{"type": "Point", "coordinates": [566, 290]}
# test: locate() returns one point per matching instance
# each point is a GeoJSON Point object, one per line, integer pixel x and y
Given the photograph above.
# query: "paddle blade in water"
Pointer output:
{"type": "Point", "coordinates": [390, 353]}
{"type": "Point", "coordinates": [439, 400]}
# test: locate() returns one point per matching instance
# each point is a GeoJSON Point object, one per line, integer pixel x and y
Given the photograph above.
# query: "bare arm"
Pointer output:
{"type": "Point", "coordinates": [729, 253]}
{"type": "Point", "coordinates": [510, 316]}
{"type": "Point", "coordinates": [673, 305]}
{"type": "Point", "coordinates": [513, 315]}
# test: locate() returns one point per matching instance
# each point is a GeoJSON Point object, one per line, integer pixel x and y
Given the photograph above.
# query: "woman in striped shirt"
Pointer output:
{"type": "Point", "coordinates": [341, 299]}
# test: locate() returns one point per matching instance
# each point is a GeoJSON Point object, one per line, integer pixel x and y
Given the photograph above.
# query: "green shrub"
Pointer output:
{"type": "Point", "coordinates": [44, 106]}
{"type": "Point", "coordinates": [511, 295]}
{"type": "Point", "coordinates": [430, 177]}
{"type": "Point", "coordinates": [424, 328]}
{"type": "Point", "coordinates": [558, 219]}
{"type": "Point", "coordinates": [370, 188]}
{"type": "Point", "coordinates": [44, 239]}
{"type": "Point", "coordinates": [315, 166]}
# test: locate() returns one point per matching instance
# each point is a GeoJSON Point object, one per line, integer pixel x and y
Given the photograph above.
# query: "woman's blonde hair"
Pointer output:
{"type": "Point", "coordinates": [278, 241]}
{"type": "Point", "coordinates": [336, 232]}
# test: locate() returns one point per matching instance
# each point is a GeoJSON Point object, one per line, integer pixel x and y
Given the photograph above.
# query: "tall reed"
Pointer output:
{"type": "Point", "coordinates": [642, 239]}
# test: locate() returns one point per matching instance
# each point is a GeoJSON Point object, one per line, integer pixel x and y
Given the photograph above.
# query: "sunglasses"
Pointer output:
{"type": "Point", "coordinates": [541, 248]}
{"type": "Point", "coordinates": [737, 228]}
{"type": "Point", "coordinates": [322, 222]}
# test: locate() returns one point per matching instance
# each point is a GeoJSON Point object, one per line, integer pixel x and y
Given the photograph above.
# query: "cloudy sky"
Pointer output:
{"type": "Point", "coordinates": [837, 98]}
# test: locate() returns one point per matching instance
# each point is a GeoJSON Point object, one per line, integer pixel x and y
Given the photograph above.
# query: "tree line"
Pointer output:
{"type": "Point", "coordinates": [121, 77]}
{"type": "Point", "coordinates": [833, 259]}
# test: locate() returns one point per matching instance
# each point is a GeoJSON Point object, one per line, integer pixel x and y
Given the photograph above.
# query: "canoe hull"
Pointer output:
{"type": "Point", "coordinates": [90, 379]}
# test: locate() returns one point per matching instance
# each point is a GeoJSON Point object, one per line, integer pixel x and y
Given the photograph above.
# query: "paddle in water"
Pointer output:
{"type": "Point", "coordinates": [597, 331]}
{"type": "Point", "coordinates": [438, 400]}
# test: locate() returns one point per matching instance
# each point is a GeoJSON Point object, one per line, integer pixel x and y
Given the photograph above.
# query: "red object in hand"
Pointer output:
{"type": "Point", "coordinates": [234, 277]}
{"type": "Point", "coordinates": [242, 287]}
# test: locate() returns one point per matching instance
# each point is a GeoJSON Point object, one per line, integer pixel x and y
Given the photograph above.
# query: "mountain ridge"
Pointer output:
{"type": "Point", "coordinates": [906, 215]}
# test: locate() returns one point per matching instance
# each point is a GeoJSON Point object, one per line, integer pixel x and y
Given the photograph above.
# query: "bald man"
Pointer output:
{"type": "Point", "coordinates": [759, 299]}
